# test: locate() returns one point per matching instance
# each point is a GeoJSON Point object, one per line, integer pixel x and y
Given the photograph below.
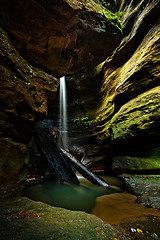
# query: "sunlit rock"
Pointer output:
{"type": "Point", "coordinates": [131, 81]}
{"type": "Point", "coordinates": [137, 121]}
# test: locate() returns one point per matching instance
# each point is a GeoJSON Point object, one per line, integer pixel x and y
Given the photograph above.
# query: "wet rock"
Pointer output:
{"type": "Point", "coordinates": [25, 219]}
{"type": "Point", "coordinates": [61, 36]}
{"type": "Point", "coordinates": [146, 187]}
{"type": "Point", "coordinates": [13, 166]}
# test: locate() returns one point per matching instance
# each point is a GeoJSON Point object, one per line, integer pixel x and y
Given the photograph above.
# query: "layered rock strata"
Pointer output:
{"type": "Point", "coordinates": [24, 95]}
{"type": "Point", "coordinates": [129, 112]}
{"type": "Point", "coordinates": [60, 36]}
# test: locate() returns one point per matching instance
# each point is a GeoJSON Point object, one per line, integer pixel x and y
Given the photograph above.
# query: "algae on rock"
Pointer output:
{"type": "Point", "coordinates": [36, 220]}
{"type": "Point", "coordinates": [138, 116]}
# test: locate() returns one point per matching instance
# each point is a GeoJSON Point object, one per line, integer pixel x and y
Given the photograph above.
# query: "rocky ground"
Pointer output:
{"type": "Point", "coordinates": [146, 187]}
{"type": "Point", "coordinates": [21, 218]}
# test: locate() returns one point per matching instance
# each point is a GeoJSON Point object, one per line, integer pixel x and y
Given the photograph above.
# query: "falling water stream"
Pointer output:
{"type": "Point", "coordinates": [63, 111]}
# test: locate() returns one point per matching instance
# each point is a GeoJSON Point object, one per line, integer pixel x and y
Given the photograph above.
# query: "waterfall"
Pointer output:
{"type": "Point", "coordinates": [63, 111]}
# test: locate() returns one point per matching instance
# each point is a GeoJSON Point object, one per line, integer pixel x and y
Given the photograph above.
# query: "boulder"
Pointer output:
{"type": "Point", "coordinates": [14, 158]}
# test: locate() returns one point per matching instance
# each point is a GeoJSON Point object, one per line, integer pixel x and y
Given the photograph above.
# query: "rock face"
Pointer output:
{"type": "Point", "coordinates": [24, 95]}
{"type": "Point", "coordinates": [138, 119]}
{"type": "Point", "coordinates": [61, 36]}
{"type": "Point", "coordinates": [146, 187]}
{"type": "Point", "coordinates": [123, 110]}
{"type": "Point", "coordinates": [128, 113]}
{"type": "Point", "coordinates": [140, 161]}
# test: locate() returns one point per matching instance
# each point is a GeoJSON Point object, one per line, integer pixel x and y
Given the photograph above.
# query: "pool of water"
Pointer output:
{"type": "Point", "coordinates": [73, 197]}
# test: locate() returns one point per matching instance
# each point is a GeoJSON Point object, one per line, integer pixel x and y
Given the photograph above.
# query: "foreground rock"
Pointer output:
{"type": "Point", "coordinates": [25, 219]}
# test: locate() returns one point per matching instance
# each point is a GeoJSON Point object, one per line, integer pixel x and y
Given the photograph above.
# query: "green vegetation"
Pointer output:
{"type": "Point", "coordinates": [109, 4]}
{"type": "Point", "coordinates": [114, 18]}
{"type": "Point", "coordinates": [85, 122]}
{"type": "Point", "coordinates": [109, 8]}
{"type": "Point", "coordinates": [149, 160]}
{"type": "Point", "coordinates": [151, 178]}
{"type": "Point", "coordinates": [27, 158]}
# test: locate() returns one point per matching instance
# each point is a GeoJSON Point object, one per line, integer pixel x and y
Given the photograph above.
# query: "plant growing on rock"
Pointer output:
{"type": "Point", "coordinates": [109, 8]}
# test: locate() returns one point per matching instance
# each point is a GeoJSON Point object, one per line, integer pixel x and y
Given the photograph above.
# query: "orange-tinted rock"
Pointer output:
{"type": "Point", "coordinates": [24, 93]}
{"type": "Point", "coordinates": [62, 36]}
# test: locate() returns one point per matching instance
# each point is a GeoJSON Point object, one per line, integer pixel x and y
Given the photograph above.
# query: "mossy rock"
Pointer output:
{"type": "Point", "coordinates": [138, 118]}
{"type": "Point", "coordinates": [144, 161]}
{"type": "Point", "coordinates": [13, 165]}
{"type": "Point", "coordinates": [25, 219]}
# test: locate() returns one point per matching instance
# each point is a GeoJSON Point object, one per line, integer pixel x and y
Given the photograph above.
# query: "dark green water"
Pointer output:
{"type": "Point", "coordinates": [69, 196]}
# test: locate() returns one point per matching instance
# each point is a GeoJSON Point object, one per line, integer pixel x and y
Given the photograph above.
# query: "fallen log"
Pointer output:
{"type": "Point", "coordinates": [50, 150]}
{"type": "Point", "coordinates": [62, 161]}
{"type": "Point", "coordinates": [81, 168]}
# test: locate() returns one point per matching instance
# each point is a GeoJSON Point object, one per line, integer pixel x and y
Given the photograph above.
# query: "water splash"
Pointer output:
{"type": "Point", "coordinates": [63, 111]}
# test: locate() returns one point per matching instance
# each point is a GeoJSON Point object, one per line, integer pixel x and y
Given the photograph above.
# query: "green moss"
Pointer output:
{"type": "Point", "coordinates": [85, 122]}
{"type": "Point", "coordinates": [151, 178]}
{"type": "Point", "coordinates": [27, 158]}
{"type": "Point", "coordinates": [109, 11]}
{"type": "Point", "coordinates": [40, 221]}
{"type": "Point", "coordinates": [146, 161]}
{"type": "Point", "coordinates": [137, 116]}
